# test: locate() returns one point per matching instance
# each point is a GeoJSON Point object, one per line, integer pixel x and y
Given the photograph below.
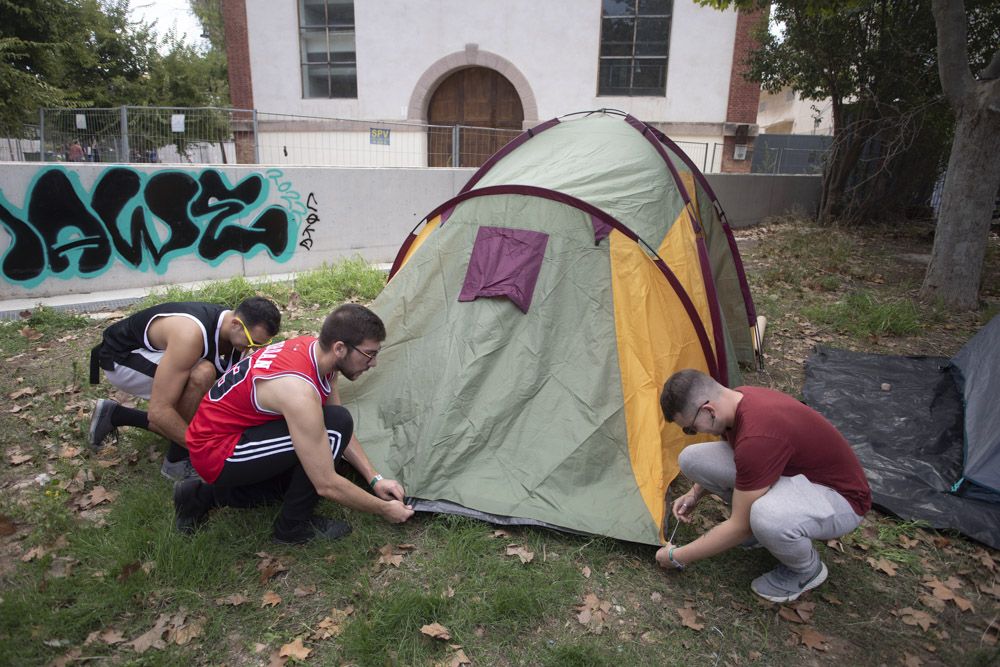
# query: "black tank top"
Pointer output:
{"type": "Point", "coordinates": [130, 334]}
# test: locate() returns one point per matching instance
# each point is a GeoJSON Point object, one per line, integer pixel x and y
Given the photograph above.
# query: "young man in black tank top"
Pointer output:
{"type": "Point", "coordinates": [171, 354]}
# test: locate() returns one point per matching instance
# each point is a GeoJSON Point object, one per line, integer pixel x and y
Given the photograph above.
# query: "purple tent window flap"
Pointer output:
{"type": "Point", "coordinates": [505, 262]}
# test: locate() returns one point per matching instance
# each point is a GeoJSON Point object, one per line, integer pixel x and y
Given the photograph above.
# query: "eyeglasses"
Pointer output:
{"type": "Point", "coordinates": [690, 429]}
{"type": "Point", "coordinates": [370, 355]}
{"type": "Point", "coordinates": [251, 343]}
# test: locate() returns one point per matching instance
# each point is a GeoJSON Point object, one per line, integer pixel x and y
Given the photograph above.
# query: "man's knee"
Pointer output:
{"type": "Point", "coordinates": [202, 377]}
{"type": "Point", "coordinates": [338, 419]}
{"type": "Point", "coordinates": [688, 459]}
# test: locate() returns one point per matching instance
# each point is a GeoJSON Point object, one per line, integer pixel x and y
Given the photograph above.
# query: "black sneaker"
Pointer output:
{"type": "Point", "coordinates": [190, 507]}
{"type": "Point", "coordinates": [317, 527]}
{"type": "Point", "coordinates": [178, 471]}
{"type": "Point", "coordinates": [100, 422]}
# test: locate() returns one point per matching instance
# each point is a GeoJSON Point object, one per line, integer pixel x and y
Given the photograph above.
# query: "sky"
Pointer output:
{"type": "Point", "coordinates": [167, 13]}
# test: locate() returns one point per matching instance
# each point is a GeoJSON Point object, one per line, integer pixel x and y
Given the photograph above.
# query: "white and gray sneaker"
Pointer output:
{"type": "Point", "coordinates": [178, 471]}
{"type": "Point", "coordinates": [100, 422]}
{"type": "Point", "coordinates": [784, 585]}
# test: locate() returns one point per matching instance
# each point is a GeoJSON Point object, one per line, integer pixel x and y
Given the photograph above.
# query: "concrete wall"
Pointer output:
{"type": "Point", "coordinates": [174, 225]}
{"type": "Point", "coordinates": [553, 44]}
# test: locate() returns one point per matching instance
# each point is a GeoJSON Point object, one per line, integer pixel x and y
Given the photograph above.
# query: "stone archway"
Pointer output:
{"type": "Point", "coordinates": [471, 57]}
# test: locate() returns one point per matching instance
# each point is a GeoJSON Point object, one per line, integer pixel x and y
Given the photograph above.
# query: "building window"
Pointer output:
{"type": "Point", "coordinates": [635, 39]}
{"type": "Point", "coordinates": [328, 57]}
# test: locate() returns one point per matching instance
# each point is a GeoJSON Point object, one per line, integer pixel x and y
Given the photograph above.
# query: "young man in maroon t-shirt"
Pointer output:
{"type": "Point", "coordinates": [788, 474]}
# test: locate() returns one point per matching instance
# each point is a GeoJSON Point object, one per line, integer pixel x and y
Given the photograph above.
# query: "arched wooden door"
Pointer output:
{"type": "Point", "coordinates": [471, 98]}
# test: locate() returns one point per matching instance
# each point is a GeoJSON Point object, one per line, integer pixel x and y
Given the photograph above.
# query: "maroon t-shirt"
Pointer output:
{"type": "Point", "coordinates": [775, 436]}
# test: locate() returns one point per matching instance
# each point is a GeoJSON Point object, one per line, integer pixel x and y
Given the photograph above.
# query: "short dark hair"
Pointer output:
{"type": "Point", "coordinates": [351, 324]}
{"type": "Point", "coordinates": [258, 310]}
{"type": "Point", "coordinates": [685, 390]}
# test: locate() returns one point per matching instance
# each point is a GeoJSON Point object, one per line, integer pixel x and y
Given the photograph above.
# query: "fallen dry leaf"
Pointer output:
{"type": "Point", "coordinates": [111, 637]}
{"type": "Point", "coordinates": [388, 556]}
{"type": "Point", "coordinates": [593, 613]}
{"type": "Point", "coordinates": [27, 391]}
{"type": "Point", "coordinates": [270, 599]}
{"type": "Point", "coordinates": [303, 591]}
{"type": "Point", "coordinates": [182, 630]}
{"type": "Point", "coordinates": [96, 496]}
{"type": "Point", "coordinates": [33, 553]}
{"type": "Point", "coordinates": [883, 565]}
{"type": "Point", "coordinates": [585, 572]}
{"type": "Point", "coordinates": [910, 660]}
{"type": "Point", "coordinates": [800, 612]}
{"type": "Point", "coordinates": [689, 617]}
{"type": "Point", "coordinates": [295, 649]}
{"type": "Point", "coordinates": [236, 599]}
{"type": "Point", "coordinates": [330, 626]}
{"type": "Point", "coordinates": [522, 553]}
{"type": "Point", "coordinates": [16, 458]}
{"type": "Point", "coordinates": [813, 639]}
{"type": "Point", "coordinates": [912, 616]}
{"type": "Point", "coordinates": [655, 596]}
{"type": "Point", "coordinates": [932, 602]}
{"type": "Point", "coordinates": [985, 559]}
{"type": "Point", "coordinates": [436, 631]}
{"type": "Point", "coordinates": [7, 526]}
{"type": "Point", "coordinates": [459, 659]}
{"type": "Point", "coordinates": [69, 658]}
{"type": "Point", "coordinates": [500, 533]}
{"type": "Point", "coordinates": [152, 638]}
{"type": "Point", "coordinates": [269, 566]}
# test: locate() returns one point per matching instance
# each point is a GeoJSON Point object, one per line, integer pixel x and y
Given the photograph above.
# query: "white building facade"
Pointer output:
{"type": "Point", "coordinates": [488, 63]}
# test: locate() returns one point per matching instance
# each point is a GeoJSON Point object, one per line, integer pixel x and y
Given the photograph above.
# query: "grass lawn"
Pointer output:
{"type": "Point", "coordinates": [92, 571]}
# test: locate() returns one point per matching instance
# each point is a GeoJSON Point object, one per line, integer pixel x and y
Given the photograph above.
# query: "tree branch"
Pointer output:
{"type": "Point", "coordinates": [953, 56]}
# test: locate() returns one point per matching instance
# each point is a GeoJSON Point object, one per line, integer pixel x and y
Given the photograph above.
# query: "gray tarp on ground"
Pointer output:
{"type": "Point", "coordinates": [909, 438]}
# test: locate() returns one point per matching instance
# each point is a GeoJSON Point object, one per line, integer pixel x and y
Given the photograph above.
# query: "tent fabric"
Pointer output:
{"type": "Point", "coordinates": [549, 415]}
{"type": "Point", "coordinates": [979, 365]}
{"type": "Point", "coordinates": [905, 419]}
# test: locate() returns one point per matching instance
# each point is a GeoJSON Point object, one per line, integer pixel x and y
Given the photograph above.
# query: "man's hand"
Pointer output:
{"type": "Point", "coordinates": [395, 511]}
{"type": "Point", "coordinates": [389, 489]}
{"type": "Point", "coordinates": [661, 556]}
{"type": "Point", "coordinates": [683, 507]}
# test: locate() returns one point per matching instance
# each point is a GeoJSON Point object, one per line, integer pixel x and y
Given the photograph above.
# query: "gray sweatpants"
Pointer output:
{"type": "Point", "coordinates": [787, 518]}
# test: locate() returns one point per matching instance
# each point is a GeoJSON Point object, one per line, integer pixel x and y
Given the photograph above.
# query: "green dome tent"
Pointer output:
{"type": "Point", "coordinates": [532, 320]}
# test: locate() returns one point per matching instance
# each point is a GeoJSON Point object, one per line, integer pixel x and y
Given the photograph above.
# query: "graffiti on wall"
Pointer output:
{"type": "Point", "coordinates": [145, 219]}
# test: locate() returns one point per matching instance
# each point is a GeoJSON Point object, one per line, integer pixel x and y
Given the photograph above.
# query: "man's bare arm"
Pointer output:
{"type": "Point", "coordinates": [299, 404]}
{"type": "Point", "coordinates": [183, 345]}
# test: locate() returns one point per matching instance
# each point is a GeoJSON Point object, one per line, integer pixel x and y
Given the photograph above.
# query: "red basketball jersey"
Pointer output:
{"type": "Point", "coordinates": [230, 407]}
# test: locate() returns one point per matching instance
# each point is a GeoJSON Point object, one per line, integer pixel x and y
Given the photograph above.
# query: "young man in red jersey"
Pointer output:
{"type": "Point", "coordinates": [789, 476]}
{"type": "Point", "coordinates": [272, 429]}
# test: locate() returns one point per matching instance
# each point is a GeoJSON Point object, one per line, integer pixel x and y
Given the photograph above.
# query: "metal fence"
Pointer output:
{"type": "Point", "coordinates": [241, 136]}
{"type": "Point", "coordinates": [143, 134]}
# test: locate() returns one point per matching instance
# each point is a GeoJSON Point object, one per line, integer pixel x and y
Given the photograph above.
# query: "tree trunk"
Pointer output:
{"type": "Point", "coordinates": [846, 150]}
{"type": "Point", "coordinates": [970, 189]}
